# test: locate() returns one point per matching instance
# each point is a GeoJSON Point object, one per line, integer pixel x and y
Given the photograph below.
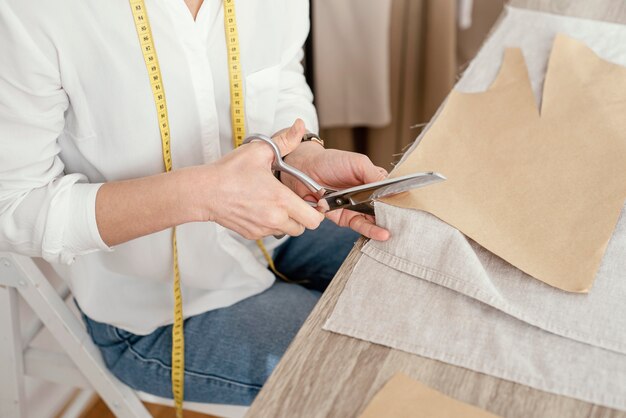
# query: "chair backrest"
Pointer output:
{"type": "Point", "coordinates": [19, 275]}
{"type": "Point", "coordinates": [81, 364]}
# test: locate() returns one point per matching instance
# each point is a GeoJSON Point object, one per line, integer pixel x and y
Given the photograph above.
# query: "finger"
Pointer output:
{"type": "Point", "coordinates": [371, 173]}
{"type": "Point", "coordinates": [365, 225]}
{"type": "Point", "coordinates": [288, 140]}
{"type": "Point", "coordinates": [322, 206]}
{"type": "Point", "coordinates": [302, 212]}
{"type": "Point", "coordinates": [247, 230]}
{"type": "Point", "coordinates": [278, 231]}
{"type": "Point", "coordinates": [292, 228]}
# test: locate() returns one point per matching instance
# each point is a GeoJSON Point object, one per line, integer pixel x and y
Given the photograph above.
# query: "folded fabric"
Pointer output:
{"type": "Point", "coordinates": [392, 308]}
{"type": "Point", "coordinates": [425, 247]}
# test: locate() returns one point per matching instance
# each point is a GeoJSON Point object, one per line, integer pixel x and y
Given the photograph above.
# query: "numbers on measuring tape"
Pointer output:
{"type": "Point", "coordinates": [146, 43]}
{"type": "Point", "coordinates": [234, 73]}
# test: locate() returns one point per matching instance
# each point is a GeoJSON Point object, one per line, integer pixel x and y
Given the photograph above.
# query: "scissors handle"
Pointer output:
{"type": "Point", "coordinates": [280, 165]}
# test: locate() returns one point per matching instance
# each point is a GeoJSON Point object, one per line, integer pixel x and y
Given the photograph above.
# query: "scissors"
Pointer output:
{"type": "Point", "coordinates": [360, 198]}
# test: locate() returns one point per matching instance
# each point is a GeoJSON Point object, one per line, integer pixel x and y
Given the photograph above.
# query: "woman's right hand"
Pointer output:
{"type": "Point", "coordinates": [240, 192]}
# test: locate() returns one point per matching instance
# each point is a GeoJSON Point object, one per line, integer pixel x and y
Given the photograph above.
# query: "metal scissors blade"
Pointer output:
{"type": "Point", "coordinates": [361, 198]}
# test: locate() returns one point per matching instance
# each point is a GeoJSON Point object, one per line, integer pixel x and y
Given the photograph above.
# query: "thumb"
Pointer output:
{"type": "Point", "coordinates": [289, 139]}
{"type": "Point", "coordinates": [373, 173]}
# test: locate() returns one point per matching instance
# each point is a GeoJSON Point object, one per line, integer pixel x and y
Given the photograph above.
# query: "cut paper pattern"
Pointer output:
{"type": "Point", "coordinates": [542, 190]}
{"type": "Point", "coordinates": [403, 397]}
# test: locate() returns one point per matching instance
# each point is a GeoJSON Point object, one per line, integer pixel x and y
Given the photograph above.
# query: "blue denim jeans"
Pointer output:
{"type": "Point", "coordinates": [230, 352]}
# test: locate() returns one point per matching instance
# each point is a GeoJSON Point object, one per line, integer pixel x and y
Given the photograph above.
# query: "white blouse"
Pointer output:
{"type": "Point", "coordinates": [76, 110]}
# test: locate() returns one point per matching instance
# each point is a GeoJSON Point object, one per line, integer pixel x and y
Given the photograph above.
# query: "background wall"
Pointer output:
{"type": "Point", "coordinates": [425, 51]}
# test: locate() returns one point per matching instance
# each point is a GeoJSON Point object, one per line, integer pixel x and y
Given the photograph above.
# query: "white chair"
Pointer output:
{"type": "Point", "coordinates": [80, 365]}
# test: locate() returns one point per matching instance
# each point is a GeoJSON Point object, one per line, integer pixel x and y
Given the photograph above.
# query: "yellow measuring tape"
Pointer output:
{"type": "Point", "coordinates": [234, 73]}
{"type": "Point", "coordinates": [154, 72]}
{"type": "Point", "coordinates": [237, 118]}
{"type": "Point", "coordinates": [146, 41]}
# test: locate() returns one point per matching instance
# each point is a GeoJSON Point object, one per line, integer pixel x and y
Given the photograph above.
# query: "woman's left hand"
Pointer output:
{"type": "Point", "coordinates": [337, 170]}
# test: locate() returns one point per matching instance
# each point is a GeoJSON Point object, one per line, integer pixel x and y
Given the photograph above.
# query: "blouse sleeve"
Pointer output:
{"type": "Point", "coordinates": [295, 99]}
{"type": "Point", "coordinates": [42, 211]}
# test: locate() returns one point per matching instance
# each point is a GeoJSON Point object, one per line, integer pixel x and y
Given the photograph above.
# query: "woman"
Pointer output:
{"type": "Point", "coordinates": [82, 182]}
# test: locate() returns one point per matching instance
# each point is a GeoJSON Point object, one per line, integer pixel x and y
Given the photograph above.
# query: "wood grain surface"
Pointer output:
{"type": "Point", "coordinates": [330, 375]}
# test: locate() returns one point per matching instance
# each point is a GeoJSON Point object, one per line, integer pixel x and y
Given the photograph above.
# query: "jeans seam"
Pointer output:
{"type": "Point", "coordinates": [115, 333]}
{"type": "Point", "coordinates": [190, 372]}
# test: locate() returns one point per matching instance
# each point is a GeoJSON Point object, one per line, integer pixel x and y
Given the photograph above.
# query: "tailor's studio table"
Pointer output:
{"type": "Point", "coordinates": [324, 374]}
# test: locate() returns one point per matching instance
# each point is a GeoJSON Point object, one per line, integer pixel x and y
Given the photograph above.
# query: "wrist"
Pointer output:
{"type": "Point", "coordinates": [302, 156]}
{"type": "Point", "coordinates": [193, 185]}
{"type": "Point", "coordinates": [304, 150]}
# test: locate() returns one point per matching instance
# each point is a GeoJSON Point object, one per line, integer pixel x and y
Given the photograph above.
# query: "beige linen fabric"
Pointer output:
{"type": "Point", "coordinates": [425, 247]}
{"type": "Point", "coordinates": [398, 310]}
{"type": "Point", "coordinates": [433, 292]}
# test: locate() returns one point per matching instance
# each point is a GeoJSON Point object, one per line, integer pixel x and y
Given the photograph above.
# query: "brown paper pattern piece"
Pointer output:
{"type": "Point", "coordinates": [403, 397]}
{"type": "Point", "coordinates": [542, 191]}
